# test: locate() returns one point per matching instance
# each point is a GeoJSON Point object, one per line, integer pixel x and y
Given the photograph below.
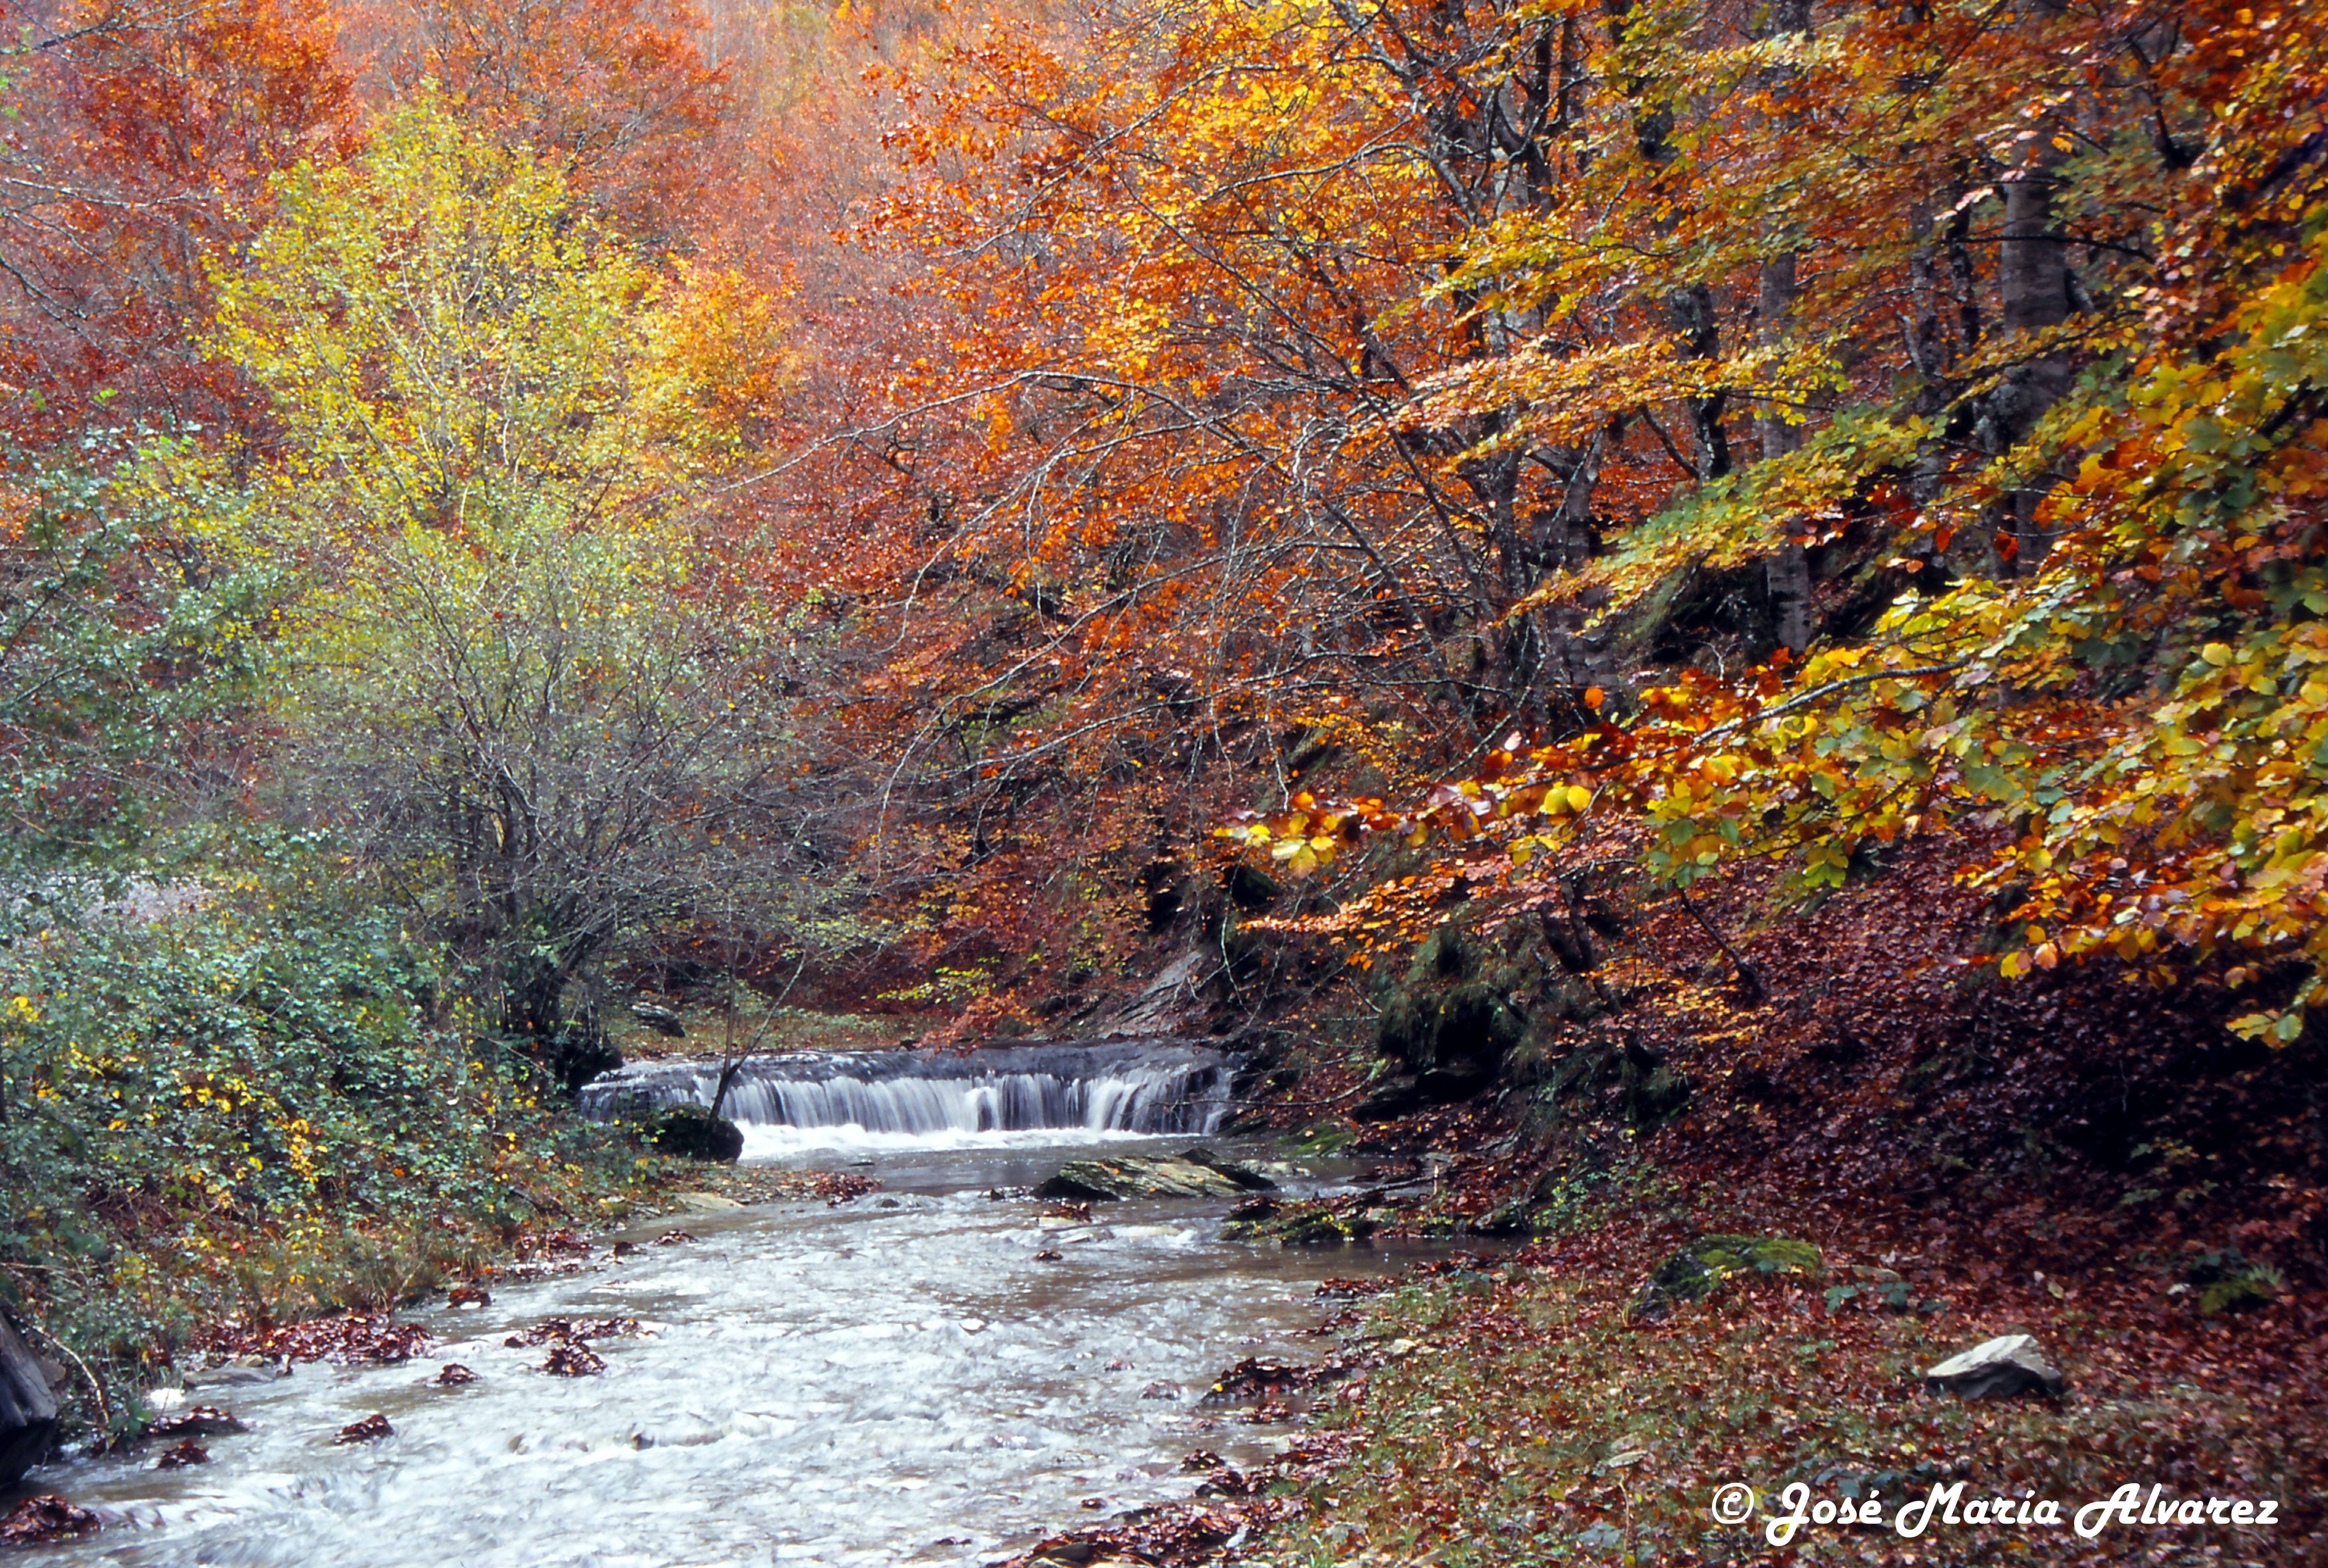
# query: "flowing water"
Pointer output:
{"type": "Point", "coordinates": [894, 1380]}
{"type": "Point", "coordinates": [919, 1098]}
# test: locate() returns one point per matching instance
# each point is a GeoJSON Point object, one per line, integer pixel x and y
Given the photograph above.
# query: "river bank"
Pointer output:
{"type": "Point", "coordinates": [1542, 1408]}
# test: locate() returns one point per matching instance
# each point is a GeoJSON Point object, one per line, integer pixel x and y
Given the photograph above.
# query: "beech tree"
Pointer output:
{"type": "Point", "coordinates": [513, 671]}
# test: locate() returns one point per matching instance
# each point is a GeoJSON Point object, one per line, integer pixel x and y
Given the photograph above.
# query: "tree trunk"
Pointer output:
{"type": "Point", "coordinates": [2034, 296]}
{"type": "Point", "coordinates": [28, 1407]}
{"type": "Point", "coordinates": [1787, 573]}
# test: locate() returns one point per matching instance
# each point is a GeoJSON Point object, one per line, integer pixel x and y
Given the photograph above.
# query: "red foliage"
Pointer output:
{"type": "Point", "coordinates": [148, 134]}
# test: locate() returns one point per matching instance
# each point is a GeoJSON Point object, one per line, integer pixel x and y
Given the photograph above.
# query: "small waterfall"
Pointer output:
{"type": "Point", "coordinates": [1127, 1088]}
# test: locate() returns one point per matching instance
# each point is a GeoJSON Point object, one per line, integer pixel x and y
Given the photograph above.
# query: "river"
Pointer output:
{"type": "Point", "coordinates": [894, 1380]}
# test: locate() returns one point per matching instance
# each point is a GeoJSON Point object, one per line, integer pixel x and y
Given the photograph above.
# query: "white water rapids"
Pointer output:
{"type": "Point", "coordinates": [894, 1381]}
{"type": "Point", "coordinates": [925, 1099]}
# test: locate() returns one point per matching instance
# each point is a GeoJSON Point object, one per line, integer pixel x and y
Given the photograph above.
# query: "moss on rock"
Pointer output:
{"type": "Point", "coordinates": [693, 1132]}
{"type": "Point", "coordinates": [1700, 1268]}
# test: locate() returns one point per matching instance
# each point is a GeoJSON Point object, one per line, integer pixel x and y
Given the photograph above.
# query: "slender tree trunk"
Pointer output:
{"type": "Point", "coordinates": [1787, 573]}
{"type": "Point", "coordinates": [2033, 296]}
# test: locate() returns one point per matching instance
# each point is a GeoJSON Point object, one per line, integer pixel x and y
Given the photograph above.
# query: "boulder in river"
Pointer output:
{"type": "Point", "coordinates": [28, 1407]}
{"type": "Point", "coordinates": [188, 1453]}
{"type": "Point", "coordinates": [1166, 1176]}
{"type": "Point", "coordinates": [693, 1132]}
{"type": "Point", "coordinates": [1996, 1368]}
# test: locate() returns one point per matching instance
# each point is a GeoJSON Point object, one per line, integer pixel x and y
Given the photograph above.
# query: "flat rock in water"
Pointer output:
{"type": "Point", "coordinates": [1166, 1177]}
{"type": "Point", "coordinates": [1248, 1177]}
{"type": "Point", "coordinates": [2007, 1365]}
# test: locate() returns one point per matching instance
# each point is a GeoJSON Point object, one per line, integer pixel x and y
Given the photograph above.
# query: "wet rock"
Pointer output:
{"type": "Point", "coordinates": [468, 1296]}
{"type": "Point", "coordinates": [1698, 1269]}
{"type": "Point", "coordinates": [28, 1407]}
{"type": "Point", "coordinates": [699, 1202]}
{"type": "Point", "coordinates": [1093, 1181]}
{"type": "Point", "coordinates": [1048, 1255]}
{"type": "Point", "coordinates": [195, 1420]}
{"type": "Point", "coordinates": [188, 1453]}
{"type": "Point", "coordinates": [663, 1020]}
{"type": "Point", "coordinates": [1161, 1391]}
{"type": "Point", "coordinates": [1248, 1177]}
{"type": "Point", "coordinates": [371, 1428]}
{"type": "Point", "coordinates": [1329, 1229]}
{"type": "Point", "coordinates": [672, 1238]}
{"type": "Point", "coordinates": [573, 1360]}
{"type": "Point", "coordinates": [46, 1517]}
{"type": "Point", "coordinates": [454, 1375]}
{"type": "Point", "coordinates": [1996, 1368]}
{"type": "Point", "coordinates": [693, 1132]}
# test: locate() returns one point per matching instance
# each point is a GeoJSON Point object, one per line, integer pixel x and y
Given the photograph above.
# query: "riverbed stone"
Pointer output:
{"type": "Point", "coordinates": [1092, 1180]}
{"type": "Point", "coordinates": [1248, 1177]}
{"type": "Point", "coordinates": [693, 1132]}
{"type": "Point", "coordinates": [1996, 1368]}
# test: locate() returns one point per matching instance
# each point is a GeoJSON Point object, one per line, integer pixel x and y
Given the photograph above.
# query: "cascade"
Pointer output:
{"type": "Point", "coordinates": [1141, 1087]}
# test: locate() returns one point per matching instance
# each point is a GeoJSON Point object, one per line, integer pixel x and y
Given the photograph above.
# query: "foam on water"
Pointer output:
{"type": "Point", "coordinates": [929, 1100]}
{"type": "Point", "coordinates": [763, 1141]}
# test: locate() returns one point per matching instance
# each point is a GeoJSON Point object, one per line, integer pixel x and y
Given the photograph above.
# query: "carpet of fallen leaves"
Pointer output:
{"type": "Point", "coordinates": [2068, 1156]}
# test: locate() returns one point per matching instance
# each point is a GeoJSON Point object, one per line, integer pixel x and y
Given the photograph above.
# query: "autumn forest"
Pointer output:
{"type": "Point", "coordinates": [1696, 629]}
